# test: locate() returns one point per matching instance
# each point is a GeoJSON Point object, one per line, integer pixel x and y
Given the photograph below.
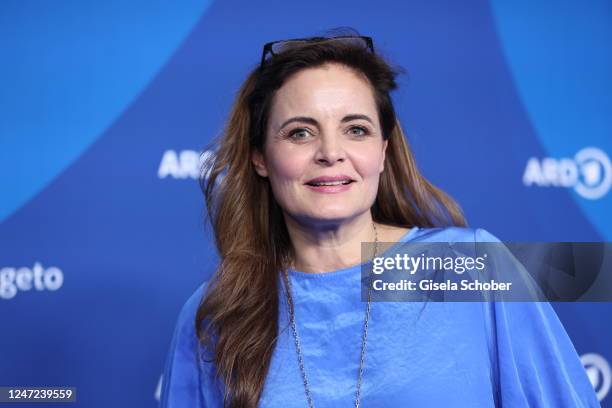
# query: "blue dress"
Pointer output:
{"type": "Point", "coordinates": [434, 354]}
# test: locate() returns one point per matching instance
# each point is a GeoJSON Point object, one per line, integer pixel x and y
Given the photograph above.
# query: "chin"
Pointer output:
{"type": "Point", "coordinates": [332, 214]}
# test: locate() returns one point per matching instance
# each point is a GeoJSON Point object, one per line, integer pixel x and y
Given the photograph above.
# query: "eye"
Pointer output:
{"type": "Point", "coordinates": [298, 134]}
{"type": "Point", "coordinates": [358, 131]}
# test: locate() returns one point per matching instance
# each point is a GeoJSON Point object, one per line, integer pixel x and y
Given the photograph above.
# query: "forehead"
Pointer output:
{"type": "Point", "coordinates": [331, 90]}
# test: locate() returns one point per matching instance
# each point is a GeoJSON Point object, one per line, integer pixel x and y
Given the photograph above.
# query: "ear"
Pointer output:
{"type": "Point", "coordinates": [259, 163]}
{"type": "Point", "coordinates": [384, 151]}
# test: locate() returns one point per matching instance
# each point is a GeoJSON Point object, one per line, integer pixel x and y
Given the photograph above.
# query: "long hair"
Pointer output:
{"type": "Point", "coordinates": [237, 319]}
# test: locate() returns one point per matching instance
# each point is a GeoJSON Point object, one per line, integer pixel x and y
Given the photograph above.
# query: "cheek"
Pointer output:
{"type": "Point", "coordinates": [368, 163]}
{"type": "Point", "coordinates": [287, 166]}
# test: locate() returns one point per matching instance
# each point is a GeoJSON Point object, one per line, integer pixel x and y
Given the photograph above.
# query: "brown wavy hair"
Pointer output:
{"type": "Point", "coordinates": [237, 320]}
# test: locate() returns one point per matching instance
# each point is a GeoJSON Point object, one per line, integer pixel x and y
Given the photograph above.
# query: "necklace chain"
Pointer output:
{"type": "Point", "coordinates": [364, 336]}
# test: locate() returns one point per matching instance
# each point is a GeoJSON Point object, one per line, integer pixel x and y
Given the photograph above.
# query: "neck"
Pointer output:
{"type": "Point", "coordinates": [327, 246]}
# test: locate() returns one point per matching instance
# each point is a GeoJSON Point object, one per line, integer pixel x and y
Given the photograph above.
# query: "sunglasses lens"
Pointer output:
{"type": "Point", "coordinates": [279, 47]}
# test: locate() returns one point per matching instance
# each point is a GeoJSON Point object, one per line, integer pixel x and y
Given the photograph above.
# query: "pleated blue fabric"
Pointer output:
{"type": "Point", "coordinates": [419, 354]}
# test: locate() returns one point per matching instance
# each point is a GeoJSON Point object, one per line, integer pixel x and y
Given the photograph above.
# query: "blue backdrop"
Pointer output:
{"type": "Point", "coordinates": [104, 107]}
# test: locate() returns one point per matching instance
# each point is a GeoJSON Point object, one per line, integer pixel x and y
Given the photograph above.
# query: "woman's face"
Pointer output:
{"type": "Point", "coordinates": [323, 123]}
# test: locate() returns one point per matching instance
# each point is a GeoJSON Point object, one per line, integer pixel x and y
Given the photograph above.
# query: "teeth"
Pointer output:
{"type": "Point", "coordinates": [331, 183]}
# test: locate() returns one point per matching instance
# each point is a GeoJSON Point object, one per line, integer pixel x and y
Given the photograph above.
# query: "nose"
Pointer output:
{"type": "Point", "coordinates": [330, 149]}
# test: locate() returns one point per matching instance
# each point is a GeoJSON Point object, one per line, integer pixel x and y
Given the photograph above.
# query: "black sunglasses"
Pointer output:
{"type": "Point", "coordinates": [275, 47]}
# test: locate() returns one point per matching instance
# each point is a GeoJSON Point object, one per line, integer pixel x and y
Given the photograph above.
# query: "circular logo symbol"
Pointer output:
{"type": "Point", "coordinates": [598, 371]}
{"type": "Point", "coordinates": [595, 173]}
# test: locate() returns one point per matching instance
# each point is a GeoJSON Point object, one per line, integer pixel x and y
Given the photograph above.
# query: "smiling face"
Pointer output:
{"type": "Point", "coordinates": [323, 122]}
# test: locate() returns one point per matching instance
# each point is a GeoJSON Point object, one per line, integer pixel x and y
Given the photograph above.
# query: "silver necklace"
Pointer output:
{"type": "Point", "coordinates": [364, 337]}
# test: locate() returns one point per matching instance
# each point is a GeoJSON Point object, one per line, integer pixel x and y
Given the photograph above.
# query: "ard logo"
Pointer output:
{"type": "Point", "coordinates": [598, 371]}
{"type": "Point", "coordinates": [185, 164]}
{"type": "Point", "coordinates": [589, 173]}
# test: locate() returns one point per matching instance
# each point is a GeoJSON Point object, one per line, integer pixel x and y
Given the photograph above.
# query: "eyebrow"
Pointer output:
{"type": "Point", "coordinates": [312, 121]}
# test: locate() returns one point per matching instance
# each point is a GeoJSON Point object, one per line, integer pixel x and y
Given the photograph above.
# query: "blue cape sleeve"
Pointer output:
{"type": "Point", "coordinates": [183, 373]}
{"type": "Point", "coordinates": [535, 360]}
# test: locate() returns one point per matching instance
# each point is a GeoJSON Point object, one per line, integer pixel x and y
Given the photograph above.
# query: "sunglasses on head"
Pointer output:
{"type": "Point", "coordinates": [274, 48]}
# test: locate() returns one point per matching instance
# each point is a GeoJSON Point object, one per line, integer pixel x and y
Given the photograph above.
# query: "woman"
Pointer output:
{"type": "Point", "coordinates": [313, 163]}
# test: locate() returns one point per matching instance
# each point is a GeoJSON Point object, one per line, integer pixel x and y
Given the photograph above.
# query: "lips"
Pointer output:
{"type": "Point", "coordinates": [330, 180]}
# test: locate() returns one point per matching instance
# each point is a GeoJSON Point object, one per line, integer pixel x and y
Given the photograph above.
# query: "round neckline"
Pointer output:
{"type": "Point", "coordinates": [337, 272]}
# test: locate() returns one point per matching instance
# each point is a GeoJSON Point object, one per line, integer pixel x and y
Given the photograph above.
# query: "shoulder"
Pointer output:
{"type": "Point", "coordinates": [183, 373]}
{"type": "Point", "coordinates": [189, 309]}
{"type": "Point", "coordinates": [456, 234]}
